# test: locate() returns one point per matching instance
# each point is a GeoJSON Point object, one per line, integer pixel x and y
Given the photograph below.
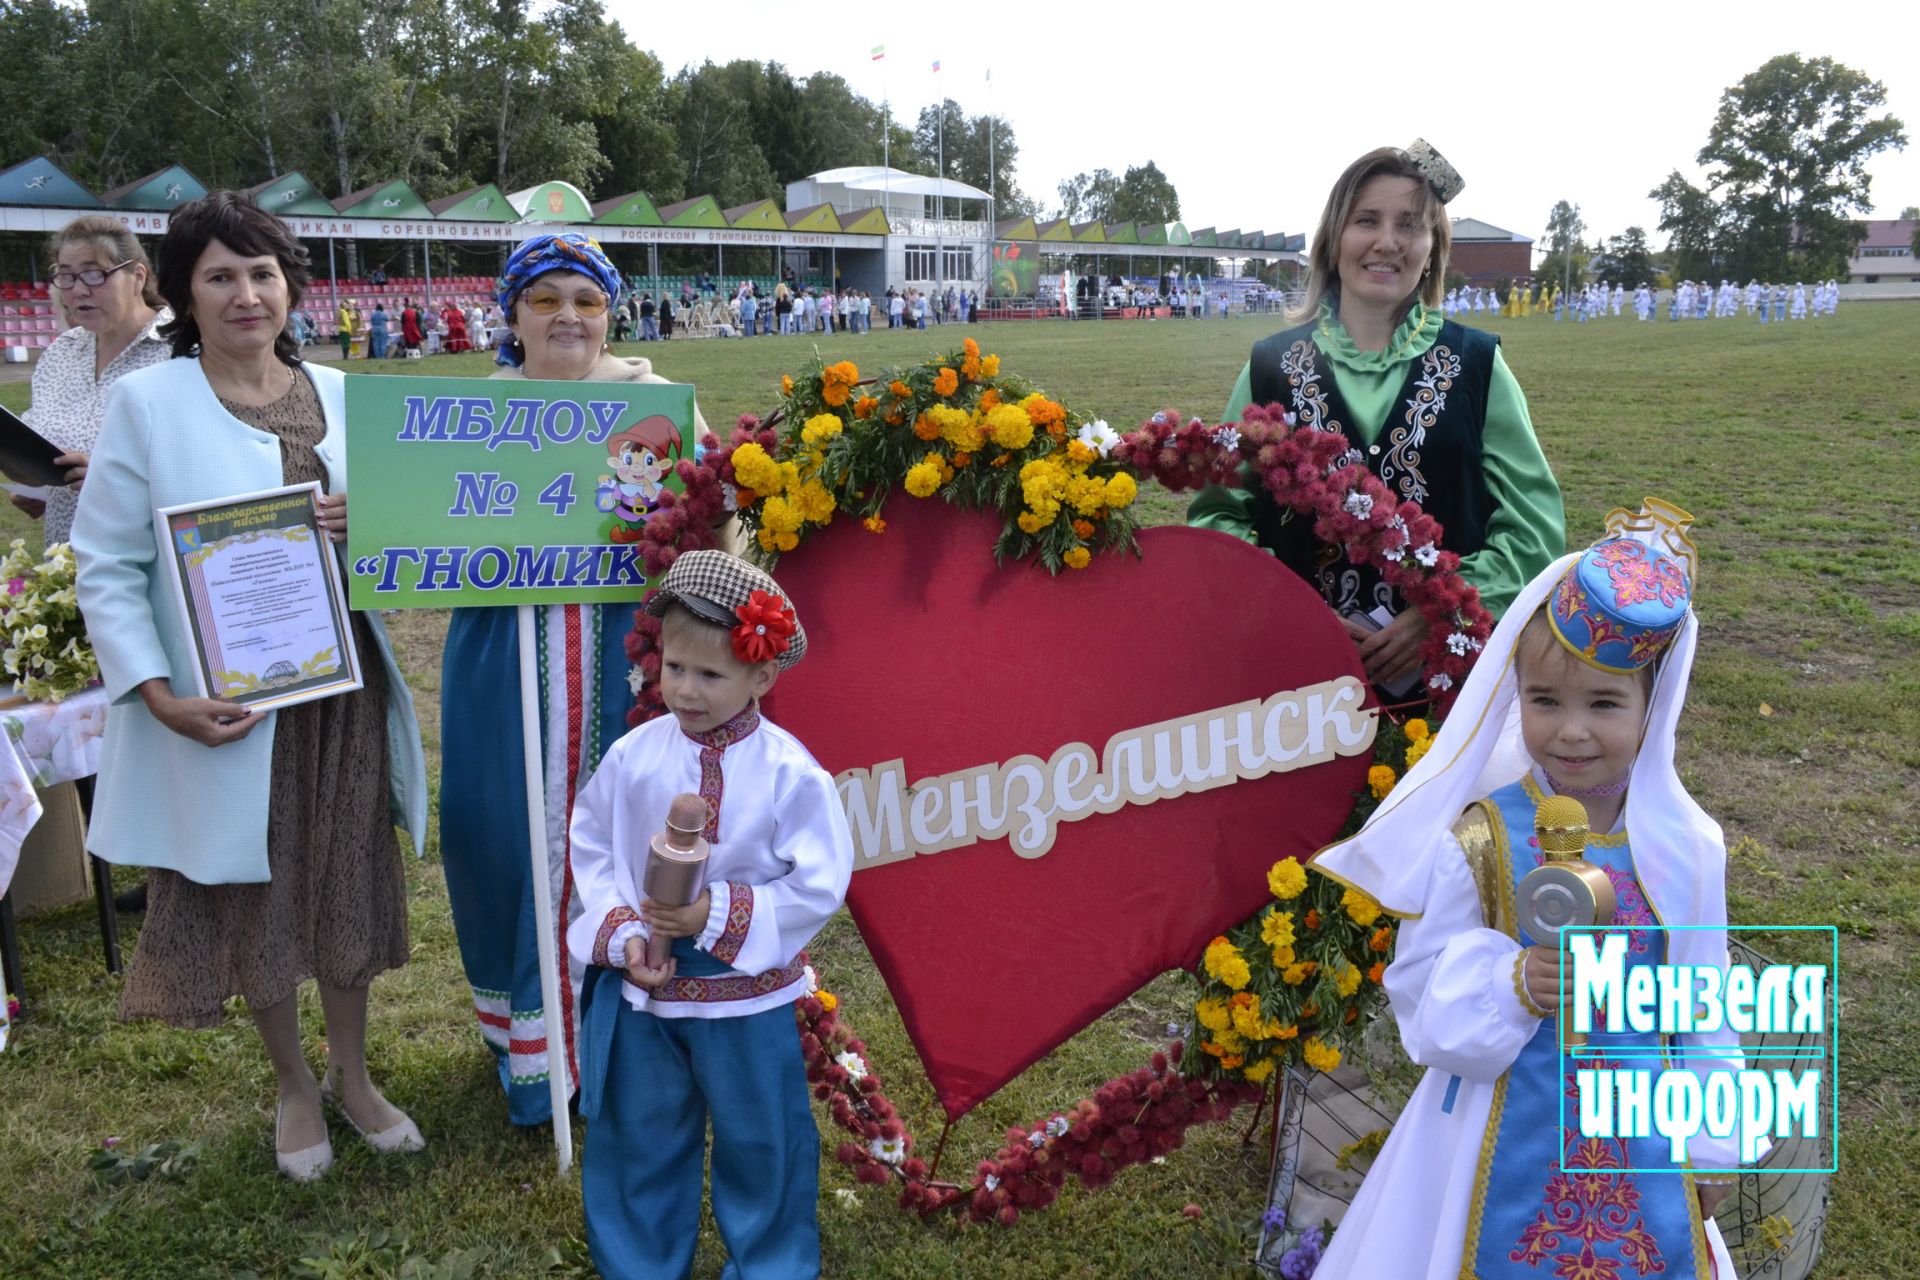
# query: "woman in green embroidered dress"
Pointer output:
{"type": "Point", "coordinates": [1428, 405]}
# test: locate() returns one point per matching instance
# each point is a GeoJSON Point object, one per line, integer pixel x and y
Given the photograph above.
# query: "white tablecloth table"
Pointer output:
{"type": "Point", "coordinates": [43, 744]}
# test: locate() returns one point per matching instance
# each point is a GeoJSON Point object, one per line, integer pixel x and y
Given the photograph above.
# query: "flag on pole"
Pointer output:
{"type": "Point", "coordinates": [879, 52]}
{"type": "Point", "coordinates": [989, 75]}
{"type": "Point", "coordinates": [936, 64]}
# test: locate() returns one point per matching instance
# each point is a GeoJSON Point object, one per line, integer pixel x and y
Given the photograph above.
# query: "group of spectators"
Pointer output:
{"type": "Point", "coordinates": [413, 331]}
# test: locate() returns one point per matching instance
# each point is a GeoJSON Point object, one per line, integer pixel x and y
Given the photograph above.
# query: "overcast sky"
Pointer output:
{"type": "Point", "coordinates": [1253, 109]}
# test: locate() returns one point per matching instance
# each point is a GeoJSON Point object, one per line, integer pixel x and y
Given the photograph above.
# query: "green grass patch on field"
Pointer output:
{"type": "Point", "coordinates": [1793, 444]}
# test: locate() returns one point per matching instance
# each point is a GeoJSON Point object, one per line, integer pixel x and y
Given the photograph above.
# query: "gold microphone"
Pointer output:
{"type": "Point", "coordinates": [1565, 889]}
{"type": "Point", "coordinates": [676, 866]}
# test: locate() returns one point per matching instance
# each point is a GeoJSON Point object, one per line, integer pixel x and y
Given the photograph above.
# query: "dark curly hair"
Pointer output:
{"type": "Point", "coordinates": [232, 218]}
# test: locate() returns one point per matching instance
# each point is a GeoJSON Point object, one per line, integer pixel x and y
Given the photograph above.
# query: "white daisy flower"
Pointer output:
{"type": "Point", "coordinates": [853, 1064]}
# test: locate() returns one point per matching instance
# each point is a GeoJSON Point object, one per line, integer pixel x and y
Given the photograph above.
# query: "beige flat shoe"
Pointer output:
{"type": "Point", "coordinates": [305, 1165]}
{"type": "Point", "coordinates": [395, 1139]}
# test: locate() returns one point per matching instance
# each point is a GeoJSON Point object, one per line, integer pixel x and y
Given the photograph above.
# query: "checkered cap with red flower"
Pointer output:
{"type": "Point", "coordinates": [728, 592]}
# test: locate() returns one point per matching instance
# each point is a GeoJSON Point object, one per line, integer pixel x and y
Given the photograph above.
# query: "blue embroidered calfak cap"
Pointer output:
{"type": "Point", "coordinates": [1622, 602]}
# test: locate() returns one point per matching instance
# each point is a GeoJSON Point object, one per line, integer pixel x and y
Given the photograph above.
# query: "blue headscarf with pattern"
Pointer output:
{"type": "Point", "coordinates": [567, 251]}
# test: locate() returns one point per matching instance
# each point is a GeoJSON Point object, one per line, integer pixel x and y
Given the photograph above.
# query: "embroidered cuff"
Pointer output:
{"type": "Point", "coordinates": [729, 916]}
{"type": "Point", "coordinates": [1520, 987]}
{"type": "Point", "coordinates": [603, 939]}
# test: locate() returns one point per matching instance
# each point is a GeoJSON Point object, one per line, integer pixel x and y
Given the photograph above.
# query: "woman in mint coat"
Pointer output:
{"type": "Point", "coordinates": [270, 835]}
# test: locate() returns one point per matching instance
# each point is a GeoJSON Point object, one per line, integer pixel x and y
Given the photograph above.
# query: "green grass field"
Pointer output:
{"type": "Point", "coordinates": [1794, 444]}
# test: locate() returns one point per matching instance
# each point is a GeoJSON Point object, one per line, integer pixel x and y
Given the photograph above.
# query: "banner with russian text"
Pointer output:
{"type": "Point", "coordinates": [470, 491]}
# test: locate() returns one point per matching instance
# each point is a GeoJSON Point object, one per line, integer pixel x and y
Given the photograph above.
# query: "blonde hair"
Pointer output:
{"type": "Point", "coordinates": [1323, 260]}
{"type": "Point", "coordinates": [98, 229]}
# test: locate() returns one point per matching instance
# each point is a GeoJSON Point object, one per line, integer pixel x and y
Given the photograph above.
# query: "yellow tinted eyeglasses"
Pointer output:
{"type": "Point", "coordinates": [546, 304]}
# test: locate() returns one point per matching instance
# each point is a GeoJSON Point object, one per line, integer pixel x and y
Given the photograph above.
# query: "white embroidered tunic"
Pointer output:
{"type": "Point", "coordinates": [780, 862]}
{"type": "Point", "coordinates": [69, 403]}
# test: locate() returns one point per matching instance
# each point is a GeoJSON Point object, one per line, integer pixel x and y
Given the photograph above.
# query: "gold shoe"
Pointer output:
{"type": "Point", "coordinates": [305, 1165]}
{"type": "Point", "coordinates": [395, 1139]}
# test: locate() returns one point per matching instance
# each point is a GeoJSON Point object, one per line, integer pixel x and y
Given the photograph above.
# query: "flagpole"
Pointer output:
{"type": "Point", "coordinates": [940, 136]}
{"type": "Point", "coordinates": [993, 176]}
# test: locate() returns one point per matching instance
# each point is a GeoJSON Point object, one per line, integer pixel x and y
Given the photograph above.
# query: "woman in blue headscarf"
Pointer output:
{"type": "Point", "coordinates": [557, 294]}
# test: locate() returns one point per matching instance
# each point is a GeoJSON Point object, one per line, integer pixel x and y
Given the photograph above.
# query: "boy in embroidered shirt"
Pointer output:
{"type": "Point", "coordinates": [709, 1035]}
{"type": "Point", "coordinates": [1577, 693]}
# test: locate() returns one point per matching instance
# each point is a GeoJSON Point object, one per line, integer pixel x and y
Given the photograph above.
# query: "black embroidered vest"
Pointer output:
{"type": "Point", "coordinates": [1428, 451]}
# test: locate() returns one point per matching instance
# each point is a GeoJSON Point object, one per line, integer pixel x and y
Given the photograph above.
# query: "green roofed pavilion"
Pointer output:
{"type": "Point", "coordinates": [1205, 238]}
{"type": "Point", "coordinates": [483, 203]}
{"type": "Point", "coordinates": [756, 215]}
{"type": "Point", "coordinates": [1177, 233]}
{"type": "Point", "coordinates": [634, 209]}
{"type": "Point", "coordinates": [387, 200]}
{"type": "Point", "coordinates": [1094, 232]}
{"type": "Point", "coordinates": [1153, 233]}
{"type": "Point", "coordinates": [820, 217]}
{"type": "Point", "coordinates": [1230, 239]}
{"type": "Point", "coordinates": [40, 181]}
{"type": "Point", "coordinates": [165, 189]}
{"type": "Point", "coordinates": [1058, 229]}
{"type": "Point", "coordinates": [289, 195]}
{"type": "Point", "coordinates": [701, 211]}
{"type": "Point", "coordinates": [552, 202]}
{"type": "Point", "coordinates": [1015, 229]}
{"type": "Point", "coordinates": [1121, 233]}
{"type": "Point", "coordinates": [871, 222]}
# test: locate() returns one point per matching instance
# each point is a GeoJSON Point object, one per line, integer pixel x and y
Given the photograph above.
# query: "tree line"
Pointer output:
{"type": "Point", "coordinates": [449, 94]}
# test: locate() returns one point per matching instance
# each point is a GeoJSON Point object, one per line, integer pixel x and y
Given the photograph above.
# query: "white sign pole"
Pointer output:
{"type": "Point", "coordinates": [558, 1082]}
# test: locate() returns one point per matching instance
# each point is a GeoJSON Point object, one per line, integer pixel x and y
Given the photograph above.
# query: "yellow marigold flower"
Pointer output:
{"type": "Point", "coordinates": [1382, 939]}
{"type": "Point", "coordinates": [1232, 1041]}
{"type": "Point", "coordinates": [1287, 1032]}
{"type": "Point", "coordinates": [786, 385]}
{"type": "Point", "coordinates": [1313, 918]}
{"type": "Point", "coordinates": [1417, 731]}
{"type": "Point", "coordinates": [815, 502]}
{"type": "Point", "coordinates": [828, 1000]}
{"type": "Point", "coordinates": [990, 365]}
{"type": "Point", "coordinates": [1044, 412]}
{"type": "Point", "coordinates": [1030, 523]}
{"type": "Point", "coordinates": [755, 470]}
{"type": "Point", "coordinates": [785, 541]}
{"type": "Point", "coordinates": [1009, 426]}
{"type": "Point", "coordinates": [1320, 1055]}
{"type": "Point", "coordinates": [971, 347]}
{"type": "Point", "coordinates": [1283, 956]}
{"type": "Point", "coordinates": [1380, 780]}
{"type": "Point", "coordinates": [1086, 495]}
{"type": "Point", "coordinates": [1077, 558]}
{"type": "Point", "coordinates": [1348, 980]}
{"type": "Point", "coordinates": [1224, 962]}
{"type": "Point", "coordinates": [1082, 529]}
{"type": "Point", "coordinates": [874, 524]}
{"type": "Point", "coordinates": [926, 428]}
{"type": "Point", "coordinates": [1276, 928]}
{"type": "Point", "coordinates": [1259, 1071]}
{"type": "Point", "coordinates": [901, 390]}
{"type": "Point", "coordinates": [1377, 972]}
{"type": "Point", "coordinates": [1417, 750]}
{"type": "Point", "coordinates": [1362, 908]}
{"type": "Point", "coordinates": [923, 477]}
{"type": "Point", "coordinates": [820, 428]}
{"type": "Point", "coordinates": [781, 515]}
{"type": "Point", "coordinates": [946, 382]}
{"type": "Point", "coordinates": [765, 538]}
{"type": "Point", "coordinates": [834, 394]}
{"type": "Point", "coordinates": [844, 373]}
{"type": "Point", "coordinates": [1232, 1060]}
{"type": "Point", "coordinates": [1080, 451]}
{"type": "Point", "coordinates": [1121, 489]}
{"type": "Point", "coordinates": [1246, 1015]}
{"type": "Point", "coordinates": [864, 407]}
{"type": "Point", "coordinates": [1212, 1014]}
{"type": "Point", "coordinates": [1286, 879]}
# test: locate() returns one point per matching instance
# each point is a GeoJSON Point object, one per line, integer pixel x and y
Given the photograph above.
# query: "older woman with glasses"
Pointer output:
{"type": "Point", "coordinates": [556, 294]}
{"type": "Point", "coordinates": [109, 294]}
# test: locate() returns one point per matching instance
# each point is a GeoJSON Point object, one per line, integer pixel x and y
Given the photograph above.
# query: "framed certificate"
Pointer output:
{"type": "Point", "coordinates": [261, 598]}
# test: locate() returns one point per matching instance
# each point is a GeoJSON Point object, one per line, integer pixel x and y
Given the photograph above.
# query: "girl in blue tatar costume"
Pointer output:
{"type": "Point", "coordinates": [1577, 693]}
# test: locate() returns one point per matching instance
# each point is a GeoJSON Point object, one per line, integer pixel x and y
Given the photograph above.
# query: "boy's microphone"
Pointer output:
{"type": "Point", "coordinates": [676, 865]}
{"type": "Point", "coordinates": [1565, 889]}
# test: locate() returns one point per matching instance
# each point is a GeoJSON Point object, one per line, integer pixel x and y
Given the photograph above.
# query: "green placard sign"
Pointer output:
{"type": "Point", "coordinates": [469, 491]}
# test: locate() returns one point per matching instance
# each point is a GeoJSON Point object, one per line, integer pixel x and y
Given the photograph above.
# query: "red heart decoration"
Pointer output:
{"type": "Point", "coordinates": [920, 648]}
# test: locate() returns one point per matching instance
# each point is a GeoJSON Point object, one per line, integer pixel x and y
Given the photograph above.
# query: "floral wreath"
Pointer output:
{"type": "Point", "coordinates": [1291, 985]}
